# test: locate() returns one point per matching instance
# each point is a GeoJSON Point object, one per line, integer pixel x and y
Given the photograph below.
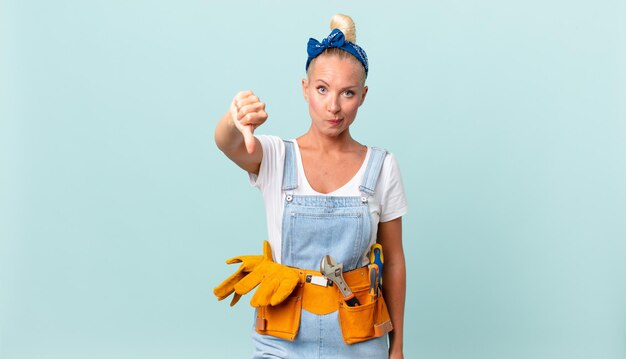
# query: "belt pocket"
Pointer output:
{"type": "Point", "coordinates": [366, 321]}
{"type": "Point", "coordinates": [282, 320]}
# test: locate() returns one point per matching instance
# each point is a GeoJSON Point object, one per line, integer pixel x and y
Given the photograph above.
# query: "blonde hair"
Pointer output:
{"type": "Point", "coordinates": [346, 25]}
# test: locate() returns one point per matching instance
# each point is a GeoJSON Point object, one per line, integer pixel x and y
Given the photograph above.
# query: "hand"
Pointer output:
{"type": "Point", "coordinates": [247, 113]}
{"type": "Point", "coordinates": [396, 355]}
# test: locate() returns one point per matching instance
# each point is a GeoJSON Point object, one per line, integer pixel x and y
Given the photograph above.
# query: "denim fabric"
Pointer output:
{"type": "Point", "coordinates": [315, 226]}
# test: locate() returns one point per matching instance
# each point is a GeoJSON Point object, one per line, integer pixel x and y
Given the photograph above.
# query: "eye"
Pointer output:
{"type": "Point", "coordinates": [322, 89]}
{"type": "Point", "coordinates": [348, 93]}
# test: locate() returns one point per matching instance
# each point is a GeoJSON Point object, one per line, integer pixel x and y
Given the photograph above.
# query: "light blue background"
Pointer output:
{"type": "Point", "coordinates": [117, 210]}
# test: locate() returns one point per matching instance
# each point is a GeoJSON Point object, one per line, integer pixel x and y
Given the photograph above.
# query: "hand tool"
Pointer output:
{"type": "Point", "coordinates": [376, 257]}
{"type": "Point", "coordinates": [373, 282]}
{"type": "Point", "coordinates": [334, 271]}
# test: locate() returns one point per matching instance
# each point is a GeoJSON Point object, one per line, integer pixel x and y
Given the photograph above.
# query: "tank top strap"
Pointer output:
{"type": "Point", "coordinates": [290, 173]}
{"type": "Point", "coordinates": [372, 171]}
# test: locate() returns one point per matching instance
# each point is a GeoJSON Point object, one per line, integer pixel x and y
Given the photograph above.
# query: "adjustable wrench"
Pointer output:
{"type": "Point", "coordinates": [333, 271]}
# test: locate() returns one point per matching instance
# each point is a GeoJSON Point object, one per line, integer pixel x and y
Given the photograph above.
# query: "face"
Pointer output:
{"type": "Point", "coordinates": [334, 90]}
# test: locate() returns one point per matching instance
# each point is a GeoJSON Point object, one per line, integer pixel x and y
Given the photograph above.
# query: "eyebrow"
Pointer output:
{"type": "Point", "coordinates": [342, 89]}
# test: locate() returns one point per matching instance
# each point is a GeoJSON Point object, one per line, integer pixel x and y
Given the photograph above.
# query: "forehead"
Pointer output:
{"type": "Point", "coordinates": [338, 71]}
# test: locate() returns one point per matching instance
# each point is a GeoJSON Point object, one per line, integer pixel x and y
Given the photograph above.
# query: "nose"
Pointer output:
{"type": "Point", "coordinates": [333, 104]}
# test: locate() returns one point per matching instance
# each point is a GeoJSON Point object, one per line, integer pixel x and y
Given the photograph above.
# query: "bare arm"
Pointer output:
{"type": "Point", "coordinates": [233, 133]}
{"type": "Point", "coordinates": [394, 281]}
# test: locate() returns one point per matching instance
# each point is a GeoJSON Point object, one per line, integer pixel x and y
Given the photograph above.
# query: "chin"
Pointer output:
{"type": "Point", "coordinates": [334, 132]}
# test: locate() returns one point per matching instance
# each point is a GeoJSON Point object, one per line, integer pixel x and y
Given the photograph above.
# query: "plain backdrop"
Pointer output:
{"type": "Point", "coordinates": [117, 211]}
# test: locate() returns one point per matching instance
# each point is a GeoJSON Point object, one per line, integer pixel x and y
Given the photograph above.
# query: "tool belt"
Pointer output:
{"type": "Point", "coordinates": [359, 323]}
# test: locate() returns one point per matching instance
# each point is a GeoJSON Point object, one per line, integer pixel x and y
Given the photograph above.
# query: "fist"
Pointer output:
{"type": "Point", "coordinates": [247, 113]}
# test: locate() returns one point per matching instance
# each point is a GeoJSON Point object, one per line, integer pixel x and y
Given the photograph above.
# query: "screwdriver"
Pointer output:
{"type": "Point", "coordinates": [376, 257]}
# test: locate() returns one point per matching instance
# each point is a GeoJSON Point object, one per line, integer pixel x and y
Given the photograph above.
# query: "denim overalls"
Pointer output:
{"type": "Point", "coordinates": [315, 226]}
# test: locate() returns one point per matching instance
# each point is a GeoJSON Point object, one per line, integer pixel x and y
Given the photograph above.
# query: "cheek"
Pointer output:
{"type": "Point", "coordinates": [314, 102]}
{"type": "Point", "coordinates": [352, 108]}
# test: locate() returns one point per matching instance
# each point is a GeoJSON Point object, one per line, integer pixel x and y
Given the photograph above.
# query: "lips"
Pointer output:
{"type": "Point", "coordinates": [335, 121]}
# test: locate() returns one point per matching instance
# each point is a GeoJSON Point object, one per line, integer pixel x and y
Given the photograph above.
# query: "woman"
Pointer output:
{"type": "Point", "coordinates": [326, 194]}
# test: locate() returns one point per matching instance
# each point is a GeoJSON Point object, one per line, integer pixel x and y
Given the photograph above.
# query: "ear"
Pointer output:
{"type": "Point", "coordinates": [305, 87]}
{"type": "Point", "coordinates": [365, 88]}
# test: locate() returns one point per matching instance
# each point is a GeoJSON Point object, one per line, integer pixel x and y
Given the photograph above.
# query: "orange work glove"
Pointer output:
{"type": "Point", "coordinates": [275, 287]}
{"type": "Point", "coordinates": [227, 287]}
{"type": "Point", "coordinates": [275, 281]}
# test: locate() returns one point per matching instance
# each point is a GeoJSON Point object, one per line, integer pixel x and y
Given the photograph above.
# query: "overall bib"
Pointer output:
{"type": "Point", "coordinates": [315, 226]}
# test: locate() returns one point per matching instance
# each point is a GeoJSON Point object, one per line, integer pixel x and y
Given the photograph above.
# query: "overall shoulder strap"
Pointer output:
{"type": "Point", "coordinates": [290, 173]}
{"type": "Point", "coordinates": [372, 171]}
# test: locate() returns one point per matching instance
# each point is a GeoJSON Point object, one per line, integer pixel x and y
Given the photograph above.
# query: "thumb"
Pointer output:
{"type": "Point", "coordinates": [246, 130]}
{"type": "Point", "coordinates": [248, 137]}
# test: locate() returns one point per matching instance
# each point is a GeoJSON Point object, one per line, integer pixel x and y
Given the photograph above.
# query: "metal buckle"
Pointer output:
{"type": "Point", "coordinates": [318, 280]}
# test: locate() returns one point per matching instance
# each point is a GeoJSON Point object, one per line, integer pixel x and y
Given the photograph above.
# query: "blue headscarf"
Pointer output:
{"type": "Point", "coordinates": [338, 40]}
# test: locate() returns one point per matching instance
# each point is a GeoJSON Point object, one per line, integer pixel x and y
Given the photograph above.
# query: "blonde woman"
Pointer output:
{"type": "Point", "coordinates": [325, 195]}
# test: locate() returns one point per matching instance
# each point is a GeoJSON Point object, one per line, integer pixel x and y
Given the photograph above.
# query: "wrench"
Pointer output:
{"type": "Point", "coordinates": [333, 271]}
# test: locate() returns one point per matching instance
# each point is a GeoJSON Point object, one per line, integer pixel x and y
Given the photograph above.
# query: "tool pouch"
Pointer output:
{"type": "Point", "coordinates": [366, 321]}
{"type": "Point", "coordinates": [282, 320]}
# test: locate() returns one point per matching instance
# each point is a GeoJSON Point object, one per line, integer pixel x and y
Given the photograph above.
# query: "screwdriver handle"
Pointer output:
{"type": "Point", "coordinates": [376, 257]}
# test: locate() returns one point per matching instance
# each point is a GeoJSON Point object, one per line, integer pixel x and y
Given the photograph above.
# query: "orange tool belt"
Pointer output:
{"type": "Point", "coordinates": [359, 323]}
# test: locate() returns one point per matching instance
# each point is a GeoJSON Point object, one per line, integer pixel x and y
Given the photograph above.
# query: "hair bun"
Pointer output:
{"type": "Point", "coordinates": [346, 25]}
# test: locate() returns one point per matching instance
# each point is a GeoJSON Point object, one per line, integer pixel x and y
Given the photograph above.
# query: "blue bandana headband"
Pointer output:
{"type": "Point", "coordinates": [335, 39]}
